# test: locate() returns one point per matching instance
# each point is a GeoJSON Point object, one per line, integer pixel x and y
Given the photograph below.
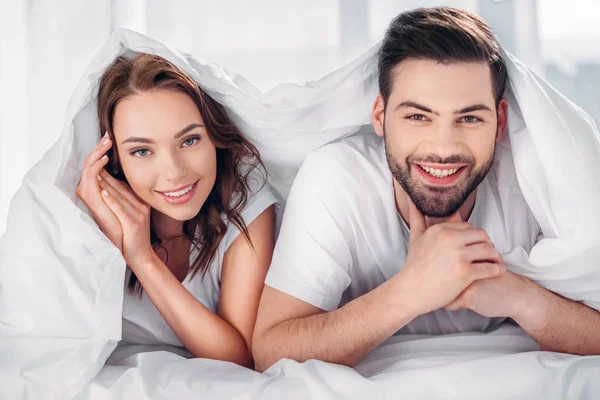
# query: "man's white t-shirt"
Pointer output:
{"type": "Point", "coordinates": [341, 235]}
{"type": "Point", "coordinates": [143, 323]}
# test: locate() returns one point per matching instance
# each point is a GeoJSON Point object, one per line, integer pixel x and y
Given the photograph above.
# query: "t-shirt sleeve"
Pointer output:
{"type": "Point", "coordinates": [313, 256]}
{"type": "Point", "coordinates": [260, 197]}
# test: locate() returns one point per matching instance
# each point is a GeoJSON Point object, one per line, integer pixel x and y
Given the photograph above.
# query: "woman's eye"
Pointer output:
{"type": "Point", "coordinates": [190, 142]}
{"type": "Point", "coordinates": [141, 153]}
{"type": "Point", "coordinates": [417, 117]}
{"type": "Point", "coordinates": [469, 119]}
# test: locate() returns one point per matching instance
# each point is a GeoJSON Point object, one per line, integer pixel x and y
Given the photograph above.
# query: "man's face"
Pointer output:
{"type": "Point", "coordinates": [440, 127]}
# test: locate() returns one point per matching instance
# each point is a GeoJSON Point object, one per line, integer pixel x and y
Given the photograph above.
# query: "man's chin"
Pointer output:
{"type": "Point", "coordinates": [432, 207]}
{"type": "Point", "coordinates": [436, 214]}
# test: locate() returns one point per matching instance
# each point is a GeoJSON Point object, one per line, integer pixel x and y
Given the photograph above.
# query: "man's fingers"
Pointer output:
{"type": "Point", "coordinates": [416, 222]}
{"type": "Point", "coordinates": [457, 304]}
{"type": "Point", "coordinates": [460, 226]}
{"type": "Point", "coordinates": [486, 270]}
{"type": "Point", "coordinates": [473, 236]}
{"type": "Point", "coordinates": [483, 252]}
{"type": "Point", "coordinates": [455, 217]}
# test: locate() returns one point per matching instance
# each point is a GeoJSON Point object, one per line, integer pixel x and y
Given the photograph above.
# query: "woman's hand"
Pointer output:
{"type": "Point", "coordinates": [134, 217]}
{"type": "Point", "coordinates": [88, 190]}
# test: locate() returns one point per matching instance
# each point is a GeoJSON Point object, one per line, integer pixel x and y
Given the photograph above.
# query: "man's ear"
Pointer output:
{"type": "Point", "coordinates": [378, 115]}
{"type": "Point", "coordinates": [502, 119]}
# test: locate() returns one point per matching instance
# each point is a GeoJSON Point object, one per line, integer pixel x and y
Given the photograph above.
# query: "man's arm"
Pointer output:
{"type": "Point", "coordinates": [291, 328]}
{"type": "Point", "coordinates": [442, 261]}
{"type": "Point", "coordinates": [559, 324]}
{"type": "Point", "coordinates": [554, 322]}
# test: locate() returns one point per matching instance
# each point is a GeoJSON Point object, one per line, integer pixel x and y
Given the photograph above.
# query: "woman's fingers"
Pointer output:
{"type": "Point", "coordinates": [136, 226]}
{"type": "Point", "coordinates": [88, 190]}
{"type": "Point", "coordinates": [101, 148]}
{"type": "Point", "coordinates": [108, 190]}
{"type": "Point", "coordinates": [124, 190]}
{"type": "Point", "coordinates": [93, 163]}
{"type": "Point", "coordinates": [96, 168]}
{"type": "Point", "coordinates": [117, 207]}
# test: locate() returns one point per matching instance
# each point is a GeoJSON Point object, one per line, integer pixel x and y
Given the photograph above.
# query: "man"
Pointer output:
{"type": "Point", "coordinates": [404, 234]}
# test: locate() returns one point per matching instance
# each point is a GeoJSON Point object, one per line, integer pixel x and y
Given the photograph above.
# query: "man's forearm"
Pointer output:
{"type": "Point", "coordinates": [343, 336]}
{"type": "Point", "coordinates": [558, 324]}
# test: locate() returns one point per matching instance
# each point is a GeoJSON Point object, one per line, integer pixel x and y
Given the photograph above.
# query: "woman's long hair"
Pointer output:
{"type": "Point", "coordinates": [236, 156]}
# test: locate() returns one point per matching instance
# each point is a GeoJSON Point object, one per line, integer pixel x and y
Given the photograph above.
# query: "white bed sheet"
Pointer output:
{"type": "Point", "coordinates": [504, 364]}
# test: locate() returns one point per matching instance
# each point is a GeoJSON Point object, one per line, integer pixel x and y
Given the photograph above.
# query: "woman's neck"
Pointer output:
{"type": "Point", "coordinates": [166, 227]}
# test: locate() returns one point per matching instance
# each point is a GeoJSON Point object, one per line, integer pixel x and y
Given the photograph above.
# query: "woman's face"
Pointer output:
{"type": "Point", "coordinates": [165, 152]}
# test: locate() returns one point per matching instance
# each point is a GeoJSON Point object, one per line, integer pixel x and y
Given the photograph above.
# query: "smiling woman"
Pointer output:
{"type": "Point", "coordinates": [182, 183]}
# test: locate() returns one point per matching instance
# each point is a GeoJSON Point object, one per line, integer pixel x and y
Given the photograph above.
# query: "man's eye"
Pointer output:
{"type": "Point", "coordinates": [417, 117]}
{"type": "Point", "coordinates": [469, 119]}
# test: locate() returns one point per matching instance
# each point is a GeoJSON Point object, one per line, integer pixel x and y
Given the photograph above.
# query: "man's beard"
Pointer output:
{"type": "Point", "coordinates": [438, 202]}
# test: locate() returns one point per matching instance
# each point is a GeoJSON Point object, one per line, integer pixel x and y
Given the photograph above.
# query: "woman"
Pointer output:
{"type": "Point", "coordinates": [181, 182]}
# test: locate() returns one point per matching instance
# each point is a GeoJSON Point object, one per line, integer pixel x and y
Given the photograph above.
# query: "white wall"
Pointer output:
{"type": "Point", "coordinates": [14, 143]}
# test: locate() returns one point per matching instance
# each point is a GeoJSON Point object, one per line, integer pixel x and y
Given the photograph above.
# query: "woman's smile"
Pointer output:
{"type": "Point", "coordinates": [179, 196]}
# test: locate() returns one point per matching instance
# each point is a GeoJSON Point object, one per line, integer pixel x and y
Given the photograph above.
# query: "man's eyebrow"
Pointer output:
{"type": "Point", "coordinates": [177, 135]}
{"type": "Point", "coordinates": [476, 107]}
{"type": "Point", "coordinates": [413, 104]}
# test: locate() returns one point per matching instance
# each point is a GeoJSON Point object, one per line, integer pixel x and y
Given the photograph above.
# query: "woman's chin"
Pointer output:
{"type": "Point", "coordinates": [179, 213]}
{"type": "Point", "coordinates": [187, 208]}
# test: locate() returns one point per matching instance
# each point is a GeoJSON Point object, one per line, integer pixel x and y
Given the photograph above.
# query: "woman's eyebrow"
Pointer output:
{"type": "Point", "coordinates": [187, 129]}
{"type": "Point", "coordinates": [179, 134]}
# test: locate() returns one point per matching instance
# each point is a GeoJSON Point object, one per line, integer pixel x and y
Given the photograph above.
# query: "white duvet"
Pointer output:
{"type": "Point", "coordinates": [61, 280]}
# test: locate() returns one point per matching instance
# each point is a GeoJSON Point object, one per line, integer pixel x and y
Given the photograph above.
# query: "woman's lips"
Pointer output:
{"type": "Point", "coordinates": [180, 199]}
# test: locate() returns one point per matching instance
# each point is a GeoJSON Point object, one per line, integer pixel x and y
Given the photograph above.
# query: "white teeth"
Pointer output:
{"type": "Point", "coordinates": [439, 173]}
{"type": "Point", "coordinates": [179, 193]}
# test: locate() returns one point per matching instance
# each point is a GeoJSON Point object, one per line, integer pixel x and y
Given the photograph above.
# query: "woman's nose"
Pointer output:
{"type": "Point", "coordinates": [174, 169]}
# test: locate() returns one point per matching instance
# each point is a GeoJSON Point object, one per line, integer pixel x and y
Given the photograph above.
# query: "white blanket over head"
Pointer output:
{"type": "Point", "coordinates": [61, 280]}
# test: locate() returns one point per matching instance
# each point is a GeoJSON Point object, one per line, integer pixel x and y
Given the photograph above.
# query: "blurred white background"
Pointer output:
{"type": "Point", "coordinates": [46, 44]}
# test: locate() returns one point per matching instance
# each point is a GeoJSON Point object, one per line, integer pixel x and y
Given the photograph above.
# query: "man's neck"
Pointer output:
{"type": "Point", "coordinates": [402, 205]}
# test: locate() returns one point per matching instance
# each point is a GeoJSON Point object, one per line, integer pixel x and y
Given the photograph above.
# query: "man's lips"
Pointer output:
{"type": "Point", "coordinates": [440, 166]}
{"type": "Point", "coordinates": [440, 174]}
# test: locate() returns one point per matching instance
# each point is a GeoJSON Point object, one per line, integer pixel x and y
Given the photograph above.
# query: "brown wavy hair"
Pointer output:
{"type": "Point", "coordinates": [236, 156]}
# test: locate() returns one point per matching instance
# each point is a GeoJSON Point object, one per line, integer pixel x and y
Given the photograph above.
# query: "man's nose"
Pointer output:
{"type": "Point", "coordinates": [445, 140]}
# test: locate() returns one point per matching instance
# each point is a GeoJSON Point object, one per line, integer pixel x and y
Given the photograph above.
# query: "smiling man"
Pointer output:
{"type": "Point", "coordinates": [402, 231]}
